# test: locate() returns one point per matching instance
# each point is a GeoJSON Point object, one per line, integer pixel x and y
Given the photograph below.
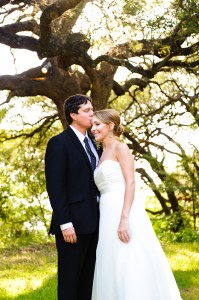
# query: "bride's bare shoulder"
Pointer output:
{"type": "Point", "coordinates": [120, 146]}
{"type": "Point", "coordinates": [121, 149]}
{"type": "Point", "coordinates": [124, 154]}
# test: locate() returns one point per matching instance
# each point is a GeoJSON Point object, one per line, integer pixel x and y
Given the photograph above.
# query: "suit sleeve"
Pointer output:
{"type": "Point", "coordinates": [56, 180]}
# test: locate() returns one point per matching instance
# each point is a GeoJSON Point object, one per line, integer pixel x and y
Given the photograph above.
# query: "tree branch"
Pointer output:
{"type": "Point", "coordinates": [154, 189]}
{"type": "Point", "coordinates": [123, 63]}
{"type": "Point", "coordinates": [45, 125]}
{"type": "Point", "coordinates": [30, 25]}
{"type": "Point", "coordinates": [51, 13]}
{"type": "Point", "coordinates": [18, 41]}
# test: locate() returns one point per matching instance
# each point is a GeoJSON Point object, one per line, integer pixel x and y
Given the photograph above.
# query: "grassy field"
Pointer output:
{"type": "Point", "coordinates": [28, 273]}
{"type": "Point", "coordinates": [184, 261]}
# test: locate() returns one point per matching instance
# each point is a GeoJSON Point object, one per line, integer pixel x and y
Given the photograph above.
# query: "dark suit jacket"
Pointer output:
{"type": "Point", "coordinates": [70, 184]}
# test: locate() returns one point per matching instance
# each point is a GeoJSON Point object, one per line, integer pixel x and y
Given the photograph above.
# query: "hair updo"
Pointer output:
{"type": "Point", "coordinates": [108, 116]}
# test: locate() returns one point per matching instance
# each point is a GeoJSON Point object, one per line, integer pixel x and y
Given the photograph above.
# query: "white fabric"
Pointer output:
{"type": "Point", "coordinates": [66, 226]}
{"type": "Point", "coordinates": [139, 269]}
{"type": "Point", "coordinates": [81, 138]}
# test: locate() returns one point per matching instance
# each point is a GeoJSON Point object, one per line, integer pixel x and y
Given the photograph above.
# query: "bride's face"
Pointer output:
{"type": "Point", "coordinates": [100, 130]}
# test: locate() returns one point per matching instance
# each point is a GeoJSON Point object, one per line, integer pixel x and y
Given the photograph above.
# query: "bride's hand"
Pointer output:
{"type": "Point", "coordinates": [123, 231]}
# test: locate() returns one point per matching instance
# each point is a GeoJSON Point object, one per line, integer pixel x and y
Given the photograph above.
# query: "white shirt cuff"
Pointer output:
{"type": "Point", "coordinates": [66, 226]}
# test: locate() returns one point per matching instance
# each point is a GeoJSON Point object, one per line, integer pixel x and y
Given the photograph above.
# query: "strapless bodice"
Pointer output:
{"type": "Point", "coordinates": [108, 176]}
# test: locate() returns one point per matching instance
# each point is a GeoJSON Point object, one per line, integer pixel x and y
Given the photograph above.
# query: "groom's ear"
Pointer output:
{"type": "Point", "coordinates": [73, 116]}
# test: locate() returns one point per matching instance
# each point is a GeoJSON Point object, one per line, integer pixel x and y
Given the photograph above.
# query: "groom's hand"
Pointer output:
{"type": "Point", "coordinates": [69, 235]}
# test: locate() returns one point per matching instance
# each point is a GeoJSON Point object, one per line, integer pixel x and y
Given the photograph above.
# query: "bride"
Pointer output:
{"type": "Point", "coordinates": [130, 263]}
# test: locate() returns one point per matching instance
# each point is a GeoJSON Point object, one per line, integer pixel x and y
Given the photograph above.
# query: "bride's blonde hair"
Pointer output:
{"type": "Point", "coordinates": [108, 116]}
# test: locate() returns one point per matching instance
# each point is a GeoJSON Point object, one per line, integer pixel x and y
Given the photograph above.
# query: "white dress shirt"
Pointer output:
{"type": "Point", "coordinates": [81, 137]}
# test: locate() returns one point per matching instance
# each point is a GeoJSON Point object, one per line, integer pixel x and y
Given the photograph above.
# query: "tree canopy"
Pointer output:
{"type": "Point", "coordinates": [139, 57]}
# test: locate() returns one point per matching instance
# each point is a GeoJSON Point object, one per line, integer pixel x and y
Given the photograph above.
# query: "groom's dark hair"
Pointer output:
{"type": "Point", "coordinates": [72, 105]}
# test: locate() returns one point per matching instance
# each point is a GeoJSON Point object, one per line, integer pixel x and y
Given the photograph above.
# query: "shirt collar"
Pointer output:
{"type": "Point", "coordinates": [80, 135]}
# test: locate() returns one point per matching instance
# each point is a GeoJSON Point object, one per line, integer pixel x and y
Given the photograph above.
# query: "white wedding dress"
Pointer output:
{"type": "Point", "coordinates": [137, 270]}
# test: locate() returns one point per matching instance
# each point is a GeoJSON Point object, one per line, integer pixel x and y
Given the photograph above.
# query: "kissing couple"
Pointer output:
{"type": "Point", "coordinates": [106, 246]}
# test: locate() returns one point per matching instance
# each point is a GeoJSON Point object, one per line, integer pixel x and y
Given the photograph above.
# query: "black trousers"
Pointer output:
{"type": "Point", "coordinates": [76, 264]}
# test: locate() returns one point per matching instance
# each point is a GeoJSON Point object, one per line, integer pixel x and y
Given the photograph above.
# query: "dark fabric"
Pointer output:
{"type": "Point", "coordinates": [90, 153]}
{"type": "Point", "coordinates": [76, 263]}
{"type": "Point", "coordinates": [70, 184]}
{"type": "Point", "coordinates": [73, 197]}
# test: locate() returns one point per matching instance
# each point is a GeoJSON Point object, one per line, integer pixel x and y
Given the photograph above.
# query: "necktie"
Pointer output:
{"type": "Point", "coordinates": [90, 153]}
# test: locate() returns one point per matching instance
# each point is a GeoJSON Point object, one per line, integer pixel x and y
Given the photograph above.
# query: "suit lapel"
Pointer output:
{"type": "Point", "coordinates": [78, 145]}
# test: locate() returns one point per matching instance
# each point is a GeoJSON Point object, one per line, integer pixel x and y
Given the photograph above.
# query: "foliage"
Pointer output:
{"type": "Point", "coordinates": [24, 205]}
{"type": "Point", "coordinates": [163, 226]}
{"type": "Point", "coordinates": [139, 57]}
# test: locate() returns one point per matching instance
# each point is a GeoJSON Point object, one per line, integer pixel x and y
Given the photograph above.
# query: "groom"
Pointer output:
{"type": "Point", "coordinates": [69, 164]}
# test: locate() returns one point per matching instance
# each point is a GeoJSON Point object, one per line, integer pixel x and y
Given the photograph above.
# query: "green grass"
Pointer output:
{"type": "Point", "coordinates": [184, 261]}
{"type": "Point", "coordinates": [28, 273]}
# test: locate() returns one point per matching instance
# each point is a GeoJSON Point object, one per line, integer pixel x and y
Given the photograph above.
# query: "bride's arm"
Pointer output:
{"type": "Point", "coordinates": [126, 161]}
